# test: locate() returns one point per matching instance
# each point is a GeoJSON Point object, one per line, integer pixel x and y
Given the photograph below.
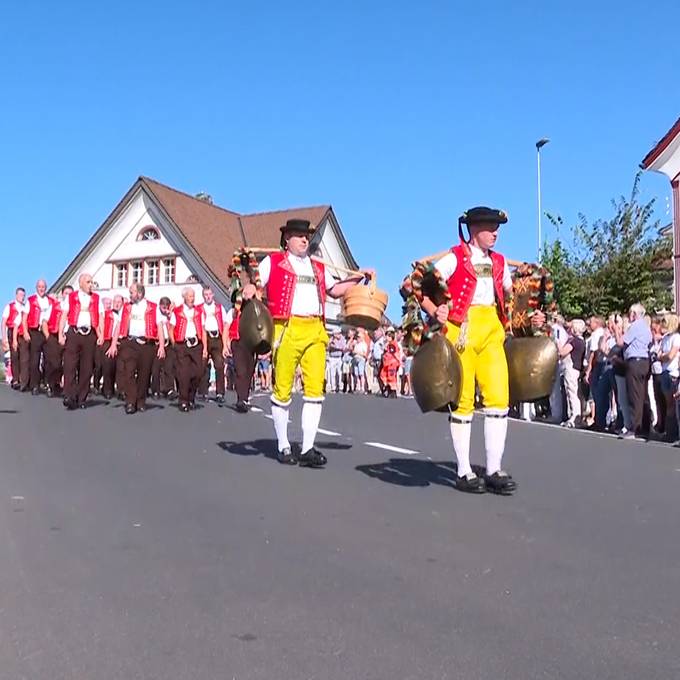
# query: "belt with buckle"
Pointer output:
{"type": "Point", "coordinates": [191, 342]}
{"type": "Point", "coordinates": [84, 330]}
{"type": "Point", "coordinates": [139, 339]}
{"type": "Point", "coordinates": [213, 334]}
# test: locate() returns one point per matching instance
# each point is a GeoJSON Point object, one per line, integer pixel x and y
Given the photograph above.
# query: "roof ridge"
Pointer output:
{"type": "Point", "coordinates": [302, 207]}
{"type": "Point", "coordinates": [184, 193]}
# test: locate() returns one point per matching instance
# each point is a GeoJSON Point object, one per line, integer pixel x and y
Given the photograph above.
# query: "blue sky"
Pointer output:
{"type": "Point", "coordinates": [400, 114]}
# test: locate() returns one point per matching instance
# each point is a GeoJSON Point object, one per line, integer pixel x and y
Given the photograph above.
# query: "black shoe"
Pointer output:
{"type": "Point", "coordinates": [120, 396]}
{"type": "Point", "coordinates": [313, 458]}
{"type": "Point", "coordinates": [24, 389]}
{"type": "Point", "coordinates": [287, 457]}
{"type": "Point", "coordinates": [501, 483]}
{"type": "Point", "coordinates": [171, 395]}
{"type": "Point", "coordinates": [35, 391]}
{"type": "Point", "coordinates": [156, 395]}
{"type": "Point", "coordinates": [470, 485]}
{"type": "Point", "coordinates": [219, 399]}
{"type": "Point", "coordinates": [130, 409]}
{"type": "Point", "coordinates": [141, 407]}
{"type": "Point", "coordinates": [192, 405]}
{"type": "Point", "coordinates": [15, 386]}
{"type": "Point", "coordinates": [70, 404]}
{"type": "Point", "coordinates": [241, 407]}
{"type": "Point", "coordinates": [184, 407]}
{"type": "Point", "coordinates": [83, 405]}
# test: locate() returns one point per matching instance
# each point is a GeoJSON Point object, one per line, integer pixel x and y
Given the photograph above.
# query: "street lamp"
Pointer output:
{"type": "Point", "coordinates": [539, 145]}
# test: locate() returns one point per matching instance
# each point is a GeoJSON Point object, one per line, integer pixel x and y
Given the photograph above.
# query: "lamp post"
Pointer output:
{"type": "Point", "coordinates": [539, 145]}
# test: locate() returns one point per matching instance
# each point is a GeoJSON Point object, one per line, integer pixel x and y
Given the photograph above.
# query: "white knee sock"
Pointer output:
{"type": "Point", "coordinates": [495, 431]}
{"type": "Point", "coordinates": [311, 415]}
{"type": "Point", "coordinates": [280, 418]}
{"type": "Point", "coordinates": [460, 433]}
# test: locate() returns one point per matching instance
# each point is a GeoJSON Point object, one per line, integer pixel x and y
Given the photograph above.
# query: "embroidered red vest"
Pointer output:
{"type": "Point", "coordinates": [233, 326]}
{"type": "Point", "coordinates": [33, 319]}
{"type": "Point", "coordinates": [150, 325]}
{"type": "Point", "coordinates": [13, 314]}
{"type": "Point", "coordinates": [218, 315]}
{"type": "Point", "coordinates": [55, 316]}
{"type": "Point", "coordinates": [281, 286]}
{"type": "Point", "coordinates": [181, 322]}
{"type": "Point", "coordinates": [74, 309]}
{"type": "Point", "coordinates": [464, 280]}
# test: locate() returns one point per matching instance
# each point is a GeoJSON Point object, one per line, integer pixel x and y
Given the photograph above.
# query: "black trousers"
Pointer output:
{"type": "Point", "coordinates": [36, 357]}
{"type": "Point", "coordinates": [78, 364]}
{"type": "Point", "coordinates": [244, 365]}
{"type": "Point", "coordinates": [104, 376]}
{"type": "Point", "coordinates": [136, 361]}
{"type": "Point", "coordinates": [190, 368]}
{"type": "Point", "coordinates": [163, 372]}
{"type": "Point", "coordinates": [637, 376]}
{"type": "Point", "coordinates": [54, 356]}
{"type": "Point", "coordinates": [19, 359]}
{"type": "Point", "coordinates": [215, 349]}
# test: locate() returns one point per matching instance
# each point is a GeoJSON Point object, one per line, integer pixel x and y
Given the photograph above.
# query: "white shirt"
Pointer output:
{"type": "Point", "coordinates": [21, 309]}
{"type": "Point", "coordinates": [210, 319]}
{"type": "Point", "coordinates": [594, 340]}
{"type": "Point", "coordinates": [137, 327]}
{"type": "Point", "coordinates": [306, 297]}
{"type": "Point", "coordinates": [191, 326]}
{"type": "Point", "coordinates": [229, 317]}
{"type": "Point", "coordinates": [45, 308]}
{"type": "Point", "coordinates": [669, 341]}
{"type": "Point", "coordinates": [484, 293]}
{"type": "Point", "coordinates": [84, 319]}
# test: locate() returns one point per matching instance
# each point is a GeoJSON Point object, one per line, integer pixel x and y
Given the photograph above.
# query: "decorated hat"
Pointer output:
{"type": "Point", "coordinates": [483, 215]}
{"type": "Point", "coordinates": [297, 226]}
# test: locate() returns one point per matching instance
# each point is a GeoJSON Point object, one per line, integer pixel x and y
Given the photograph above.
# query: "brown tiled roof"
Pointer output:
{"type": "Point", "coordinates": [215, 233]}
{"type": "Point", "coordinates": [661, 145]}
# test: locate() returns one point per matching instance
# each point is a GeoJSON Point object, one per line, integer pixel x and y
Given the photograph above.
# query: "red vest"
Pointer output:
{"type": "Point", "coordinates": [13, 314]}
{"type": "Point", "coordinates": [33, 319]}
{"type": "Point", "coordinates": [181, 322]}
{"type": "Point", "coordinates": [233, 326]}
{"type": "Point", "coordinates": [464, 280]}
{"type": "Point", "coordinates": [150, 325]}
{"type": "Point", "coordinates": [109, 321]}
{"type": "Point", "coordinates": [281, 286]}
{"type": "Point", "coordinates": [55, 316]}
{"type": "Point", "coordinates": [74, 309]}
{"type": "Point", "coordinates": [218, 315]}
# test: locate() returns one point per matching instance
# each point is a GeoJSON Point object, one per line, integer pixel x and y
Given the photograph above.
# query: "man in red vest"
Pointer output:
{"type": "Point", "coordinates": [296, 288]}
{"type": "Point", "coordinates": [141, 336]}
{"type": "Point", "coordinates": [187, 334]}
{"type": "Point", "coordinates": [104, 377]}
{"type": "Point", "coordinates": [80, 332]}
{"type": "Point", "coordinates": [14, 341]}
{"type": "Point", "coordinates": [54, 352]}
{"type": "Point", "coordinates": [216, 333]}
{"type": "Point", "coordinates": [163, 371]}
{"type": "Point", "coordinates": [34, 320]}
{"type": "Point", "coordinates": [480, 284]}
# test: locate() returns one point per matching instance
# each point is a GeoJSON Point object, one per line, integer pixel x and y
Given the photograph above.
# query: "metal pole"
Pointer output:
{"type": "Point", "coordinates": [538, 167]}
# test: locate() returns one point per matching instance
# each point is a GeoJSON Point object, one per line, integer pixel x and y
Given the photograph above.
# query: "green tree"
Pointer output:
{"type": "Point", "coordinates": [609, 264]}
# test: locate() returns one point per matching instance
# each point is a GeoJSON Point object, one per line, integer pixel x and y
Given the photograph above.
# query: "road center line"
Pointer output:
{"type": "Point", "coordinates": [396, 449]}
{"type": "Point", "coordinates": [330, 433]}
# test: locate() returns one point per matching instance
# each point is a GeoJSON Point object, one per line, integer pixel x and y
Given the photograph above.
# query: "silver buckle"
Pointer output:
{"type": "Point", "coordinates": [214, 334]}
{"type": "Point", "coordinates": [191, 342]}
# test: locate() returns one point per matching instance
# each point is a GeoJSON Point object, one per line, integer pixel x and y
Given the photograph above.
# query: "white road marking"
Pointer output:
{"type": "Point", "coordinates": [330, 433]}
{"type": "Point", "coordinates": [18, 498]}
{"type": "Point", "coordinates": [255, 409]}
{"type": "Point", "coordinates": [396, 449]}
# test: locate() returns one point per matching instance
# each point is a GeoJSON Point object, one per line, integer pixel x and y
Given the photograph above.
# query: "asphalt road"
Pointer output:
{"type": "Point", "coordinates": [172, 546]}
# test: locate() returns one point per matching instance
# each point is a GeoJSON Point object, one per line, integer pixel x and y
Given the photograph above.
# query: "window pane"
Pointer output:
{"type": "Point", "coordinates": [137, 269]}
{"type": "Point", "coordinates": [121, 275]}
{"type": "Point", "coordinates": [152, 272]}
{"type": "Point", "coordinates": [169, 270]}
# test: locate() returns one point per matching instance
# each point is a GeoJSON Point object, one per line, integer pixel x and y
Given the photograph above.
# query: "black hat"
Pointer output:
{"type": "Point", "coordinates": [483, 215]}
{"type": "Point", "coordinates": [298, 226]}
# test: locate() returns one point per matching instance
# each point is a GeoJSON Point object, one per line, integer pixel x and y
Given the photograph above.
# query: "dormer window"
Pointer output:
{"type": "Point", "coordinates": [148, 234]}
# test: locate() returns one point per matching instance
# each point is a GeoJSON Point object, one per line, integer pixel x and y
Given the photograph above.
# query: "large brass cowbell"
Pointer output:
{"type": "Point", "coordinates": [436, 375]}
{"type": "Point", "coordinates": [256, 327]}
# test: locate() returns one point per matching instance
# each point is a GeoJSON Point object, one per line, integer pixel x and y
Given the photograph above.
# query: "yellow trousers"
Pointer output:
{"type": "Point", "coordinates": [299, 342]}
{"type": "Point", "coordinates": [483, 361]}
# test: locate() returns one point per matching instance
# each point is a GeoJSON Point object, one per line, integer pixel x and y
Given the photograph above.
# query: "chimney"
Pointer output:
{"type": "Point", "coordinates": [203, 196]}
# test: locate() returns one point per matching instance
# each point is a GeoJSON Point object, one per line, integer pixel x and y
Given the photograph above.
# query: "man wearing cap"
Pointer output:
{"type": "Point", "coordinates": [296, 288]}
{"type": "Point", "coordinates": [480, 284]}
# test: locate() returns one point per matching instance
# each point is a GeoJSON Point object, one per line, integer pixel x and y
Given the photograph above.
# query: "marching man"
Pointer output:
{"type": "Point", "coordinates": [296, 288]}
{"type": "Point", "coordinates": [214, 315]}
{"type": "Point", "coordinates": [480, 284]}
{"type": "Point", "coordinates": [13, 339]}
{"type": "Point", "coordinates": [54, 352]}
{"type": "Point", "coordinates": [81, 313]}
{"type": "Point", "coordinates": [37, 315]}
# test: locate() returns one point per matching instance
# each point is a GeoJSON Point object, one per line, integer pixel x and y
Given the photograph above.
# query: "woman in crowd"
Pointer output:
{"type": "Point", "coordinates": [391, 362]}
{"type": "Point", "coordinates": [572, 354]}
{"type": "Point", "coordinates": [670, 372]}
{"type": "Point", "coordinates": [656, 398]}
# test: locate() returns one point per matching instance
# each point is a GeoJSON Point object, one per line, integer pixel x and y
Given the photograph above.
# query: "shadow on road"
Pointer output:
{"type": "Point", "coordinates": [8, 411]}
{"type": "Point", "coordinates": [414, 472]}
{"type": "Point", "coordinates": [258, 447]}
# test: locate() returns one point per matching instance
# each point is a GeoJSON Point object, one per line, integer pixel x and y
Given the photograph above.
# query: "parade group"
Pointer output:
{"type": "Point", "coordinates": [73, 342]}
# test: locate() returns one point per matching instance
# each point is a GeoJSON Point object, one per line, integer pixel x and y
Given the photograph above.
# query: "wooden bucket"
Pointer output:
{"type": "Point", "coordinates": [364, 306]}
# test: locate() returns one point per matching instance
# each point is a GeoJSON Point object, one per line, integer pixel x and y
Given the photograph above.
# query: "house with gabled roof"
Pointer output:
{"type": "Point", "coordinates": [168, 239]}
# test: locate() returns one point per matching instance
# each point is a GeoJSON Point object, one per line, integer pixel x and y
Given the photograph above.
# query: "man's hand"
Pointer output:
{"type": "Point", "coordinates": [15, 345]}
{"type": "Point", "coordinates": [27, 336]}
{"type": "Point", "coordinates": [226, 350]}
{"type": "Point", "coordinates": [112, 351]}
{"type": "Point", "coordinates": [161, 351]}
{"type": "Point", "coordinates": [368, 273]}
{"type": "Point", "coordinates": [204, 353]}
{"type": "Point", "coordinates": [62, 339]}
{"type": "Point", "coordinates": [442, 313]}
{"type": "Point", "coordinates": [537, 319]}
{"type": "Point", "coordinates": [100, 340]}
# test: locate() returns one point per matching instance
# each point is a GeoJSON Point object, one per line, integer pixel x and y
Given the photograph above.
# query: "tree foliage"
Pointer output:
{"type": "Point", "coordinates": [610, 264]}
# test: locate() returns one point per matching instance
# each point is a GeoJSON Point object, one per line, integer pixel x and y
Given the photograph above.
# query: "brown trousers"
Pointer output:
{"type": "Point", "coordinates": [104, 370]}
{"type": "Point", "coordinates": [135, 360]}
{"type": "Point", "coordinates": [163, 372]}
{"type": "Point", "coordinates": [190, 369]}
{"type": "Point", "coordinates": [215, 349]}
{"type": "Point", "coordinates": [19, 359]}
{"type": "Point", "coordinates": [36, 355]}
{"type": "Point", "coordinates": [78, 364]}
{"type": "Point", "coordinates": [244, 365]}
{"type": "Point", "coordinates": [54, 355]}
